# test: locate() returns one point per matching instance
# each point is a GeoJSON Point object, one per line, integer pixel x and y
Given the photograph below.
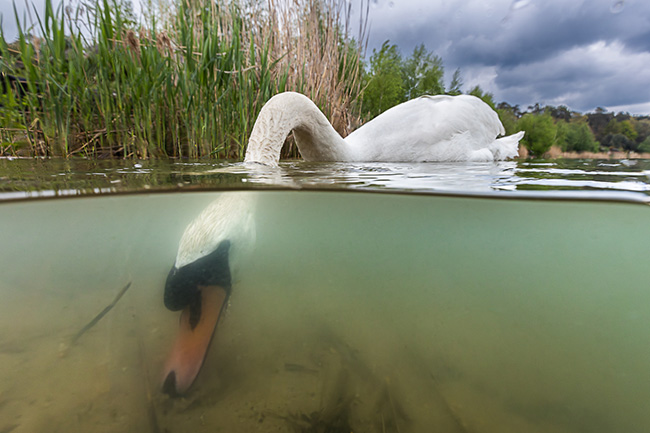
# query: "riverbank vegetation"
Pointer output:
{"type": "Point", "coordinates": [188, 84]}
{"type": "Point", "coordinates": [573, 133]}
{"type": "Point", "coordinates": [190, 78]}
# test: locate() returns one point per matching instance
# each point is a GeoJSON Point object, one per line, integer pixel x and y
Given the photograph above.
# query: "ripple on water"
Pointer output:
{"type": "Point", "coordinates": [36, 178]}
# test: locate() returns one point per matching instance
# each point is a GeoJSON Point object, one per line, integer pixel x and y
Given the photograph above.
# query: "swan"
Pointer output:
{"type": "Point", "coordinates": [429, 128]}
{"type": "Point", "coordinates": [425, 129]}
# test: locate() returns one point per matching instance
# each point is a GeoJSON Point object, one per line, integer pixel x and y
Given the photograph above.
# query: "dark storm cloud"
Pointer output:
{"type": "Point", "coordinates": [640, 42]}
{"type": "Point", "coordinates": [583, 54]}
{"type": "Point", "coordinates": [542, 29]}
{"type": "Point", "coordinates": [611, 78]}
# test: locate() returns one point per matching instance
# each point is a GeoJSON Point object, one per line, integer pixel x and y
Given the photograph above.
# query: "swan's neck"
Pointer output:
{"type": "Point", "coordinates": [317, 140]}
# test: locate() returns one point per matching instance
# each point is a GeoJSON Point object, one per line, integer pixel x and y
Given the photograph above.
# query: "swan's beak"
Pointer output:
{"type": "Point", "coordinates": [192, 342]}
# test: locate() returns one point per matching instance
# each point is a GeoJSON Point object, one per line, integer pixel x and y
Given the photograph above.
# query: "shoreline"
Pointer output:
{"type": "Point", "coordinates": [557, 153]}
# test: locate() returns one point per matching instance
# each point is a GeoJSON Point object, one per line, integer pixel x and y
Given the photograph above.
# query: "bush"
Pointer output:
{"type": "Point", "coordinates": [619, 141]}
{"type": "Point", "coordinates": [385, 86]}
{"type": "Point", "coordinates": [540, 132]}
{"type": "Point", "coordinates": [579, 138]}
{"type": "Point", "coordinates": [422, 74]}
{"type": "Point", "coordinates": [392, 80]}
{"type": "Point", "coordinates": [508, 119]}
{"type": "Point", "coordinates": [644, 147]}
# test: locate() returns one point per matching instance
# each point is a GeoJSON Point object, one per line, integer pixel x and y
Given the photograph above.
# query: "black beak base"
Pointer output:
{"type": "Point", "coordinates": [182, 286]}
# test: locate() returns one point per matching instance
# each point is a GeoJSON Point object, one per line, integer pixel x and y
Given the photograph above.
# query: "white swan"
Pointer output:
{"type": "Point", "coordinates": [429, 128]}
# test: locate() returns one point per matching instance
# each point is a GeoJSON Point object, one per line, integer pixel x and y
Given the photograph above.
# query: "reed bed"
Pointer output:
{"type": "Point", "coordinates": [190, 83]}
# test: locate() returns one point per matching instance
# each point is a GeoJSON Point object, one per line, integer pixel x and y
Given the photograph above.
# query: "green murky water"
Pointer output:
{"type": "Point", "coordinates": [351, 311]}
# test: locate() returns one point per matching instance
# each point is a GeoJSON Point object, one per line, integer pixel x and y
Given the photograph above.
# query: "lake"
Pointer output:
{"type": "Point", "coordinates": [469, 297]}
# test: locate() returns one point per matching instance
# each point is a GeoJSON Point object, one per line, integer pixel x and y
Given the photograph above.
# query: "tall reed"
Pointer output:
{"type": "Point", "coordinates": [189, 84]}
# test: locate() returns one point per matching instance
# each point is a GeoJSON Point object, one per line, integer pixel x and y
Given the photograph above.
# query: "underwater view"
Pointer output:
{"type": "Point", "coordinates": [324, 216]}
{"type": "Point", "coordinates": [391, 302]}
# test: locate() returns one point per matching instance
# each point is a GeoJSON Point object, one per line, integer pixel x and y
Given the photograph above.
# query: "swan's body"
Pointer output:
{"type": "Point", "coordinates": [429, 128]}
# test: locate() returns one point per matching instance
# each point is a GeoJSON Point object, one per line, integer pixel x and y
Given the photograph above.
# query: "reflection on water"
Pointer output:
{"type": "Point", "coordinates": [353, 312]}
{"type": "Point", "coordinates": [22, 178]}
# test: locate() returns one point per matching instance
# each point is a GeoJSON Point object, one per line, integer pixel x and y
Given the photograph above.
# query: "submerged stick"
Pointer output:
{"type": "Point", "coordinates": [101, 314]}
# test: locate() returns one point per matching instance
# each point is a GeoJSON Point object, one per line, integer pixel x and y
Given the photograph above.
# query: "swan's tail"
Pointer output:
{"type": "Point", "coordinates": [506, 147]}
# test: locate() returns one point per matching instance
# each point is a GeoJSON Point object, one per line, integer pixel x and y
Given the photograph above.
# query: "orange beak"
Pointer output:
{"type": "Point", "coordinates": [191, 346]}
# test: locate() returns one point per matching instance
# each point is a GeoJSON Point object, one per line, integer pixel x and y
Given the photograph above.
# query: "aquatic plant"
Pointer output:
{"type": "Point", "coordinates": [188, 83]}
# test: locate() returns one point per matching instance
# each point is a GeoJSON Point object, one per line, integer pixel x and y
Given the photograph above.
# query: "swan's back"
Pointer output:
{"type": "Point", "coordinates": [434, 128]}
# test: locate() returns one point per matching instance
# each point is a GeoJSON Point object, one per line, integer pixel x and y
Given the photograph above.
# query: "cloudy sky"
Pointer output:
{"type": "Point", "coordinates": [582, 54]}
{"type": "Point", "coordinates": [579, 53]}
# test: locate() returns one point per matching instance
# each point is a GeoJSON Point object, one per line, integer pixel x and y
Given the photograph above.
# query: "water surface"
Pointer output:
{"type": "Point", "coordinates": [488, 311]}
{"type": "Point", "coordinates": [36, 178]}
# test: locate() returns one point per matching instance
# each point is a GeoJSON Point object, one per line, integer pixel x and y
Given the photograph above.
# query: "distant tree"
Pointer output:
{"type": "Point", "coordinates": [642, 128]}
{"type": "Point", "coordinates": [509, 115]}
{"type": "Point", "coordinates": [422, 74]}
{"type": "Point", "coordinates": [612, 127]}
{"type": "Point", "coordinates": [487, 97]}
{"type": "Point", "coordinates": [456, 83]}
{"type": "Point", "coordinates": [536, 109]}
{"type": "Point", "coordinates": [540, 132]}
{"type": "Point", "coordinates": [644, 147]}
{"type": "Point", "coordinates": [514, 109]}
{"type": "Point", "coordinates": [628, 130]}
{"type": "Point", "coordinates": [579, 138]}
{"type": "Point", "coordinates": [598, 122]}
{"type": "Point", "coordinates": [619, 141]}
{"type": "Point", "coordinates": [508, 119]}
{"type": "Point", "coordinates": [559, 113]}
{"type": "Point", "coordinates": [621, 125]}
{"type": "Point", "coordinates": [392, 79]}
{"type": "Point", "coordinates": [561, 131]}
{"type": "Point", "coordinates": [384, 86]}
{"type": "Point", "coordinates": [620, 116]}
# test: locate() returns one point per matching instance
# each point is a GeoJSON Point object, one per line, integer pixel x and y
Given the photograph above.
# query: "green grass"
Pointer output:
{"type": "Point", "coordinates": [187, 85]}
